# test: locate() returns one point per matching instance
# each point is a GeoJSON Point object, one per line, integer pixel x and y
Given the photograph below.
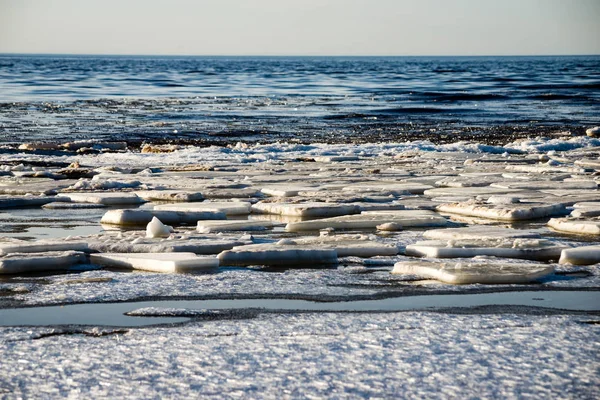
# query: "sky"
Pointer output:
{"type": "Point", "coordinates": [300, 27]}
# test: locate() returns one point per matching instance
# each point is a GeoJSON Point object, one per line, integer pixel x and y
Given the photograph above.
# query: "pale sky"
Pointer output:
{"type": "Point", "coordinates": [301, 27]}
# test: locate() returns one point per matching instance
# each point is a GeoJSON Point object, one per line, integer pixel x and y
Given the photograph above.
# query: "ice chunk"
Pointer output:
{"type": "Point", "coordinates": [306, 209]}
{"type": "Point", "coordinates": [170, 195]}
{"type": "Point", "coordinates": [394, 188]}
{"type": "Point", "coordinates": [544, 185]}
{"type": "Point", "coordinates": [584, 255]}
{"type": "Point", "coordinates": [156, 262]}
{"type": "Point", "coordinates": [328, 159]}
{"type": "Point", "coordinates": [156, 229]}
{"type": "Point", "coordinates": [97, 145]}
{"type": "Point", "coordinates": [277, 255]}
{"type": "Point", "coordinates": [229, 208]}
{"type": "Point", "coordinates": [479, 232]}
{"type": "Point", "coordinates": [107, 198]}
{"type": "Point", "coordinates": [370, 220]}
{"type": "Point", "coordinates": [228, 226]}
{"type": "Point", "coordinates": [528, 249]}
{"type": "Point", "coordinates": [593, 132]}
{"type": "Point", "coordinates": [589, 226]}
{"type": "Point", "coordinates": [348, 245]}
{"type": "Point", "coordinates": [24, 201]}
{"type": "Point", "coordinates": [504, 212]}
{"type": "Point", "coordinates": [142, 217]}
{"type": "Point", "coordinates": [468, 191]}
{"type": "Point", "coordinates": [474, 272]}
{"type": "Point", "coordinates": [43, 246]}
{"type": "Point", "coordinates": [61, 205]}
{"type": "Point", "coordinates": [283, 191]}
{"type": "Point", "coordinates": [38, 146]}
{"type": "Point", "coordinates": [197, 246]}
{"type": "Point", "coordinates": [16, 263]}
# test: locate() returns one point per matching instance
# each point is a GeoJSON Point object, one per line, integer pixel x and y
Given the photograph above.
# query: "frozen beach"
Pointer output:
{"type": "Point", "coordinates": [322, 245]}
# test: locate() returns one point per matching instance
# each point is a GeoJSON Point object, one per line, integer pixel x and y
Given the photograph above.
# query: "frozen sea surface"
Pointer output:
{"type": "Point", "coordinates": [407, 355]}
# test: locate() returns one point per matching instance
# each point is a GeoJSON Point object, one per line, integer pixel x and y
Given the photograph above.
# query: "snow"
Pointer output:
{"type": "Point", "coordinates": [326, 355]}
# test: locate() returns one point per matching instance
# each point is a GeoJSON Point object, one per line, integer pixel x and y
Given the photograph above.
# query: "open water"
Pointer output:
{"type": "Point", "coordinates": [335, 99]}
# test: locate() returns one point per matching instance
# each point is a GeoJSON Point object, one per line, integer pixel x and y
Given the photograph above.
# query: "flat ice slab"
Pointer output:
{"type": "Point", "coordinates": [196, 246]}
{"type": "Point", "coordinates": [348, 245]}
{"type": "Point", "coordinates": [545, 185]}
{"type": "Point", "coordinates": [504, 212]}
{"type": "Point", "coordinates": [43, 246]}
{"type": "Point", "coordinates": [393, 188]}
{"type": "Point", "coordinates": [61, 205]}
{"type": "Point", "coordinates": [107, 198]}
{"type": "Point", "coordinates": [277, 255]}
{"type": "Point", "coordinates": [156, 262]}
{"type": "Point", "coordinates": [458, 273]}
{"type": "Point", "coordinates": [17, 263]}
{"type": "Point", "coordinates": [142, 217]}
{"type": "Point", "coordinates": [313, 210]}
{"type": "Point", "coordinates": [370, 220]}
{"type": "Point", "coordinates": [527, 249]}
{"type": "Point", "coordinates": [584, 255]}
{"type": "Point", "coordinates": [226, 207]}
{"type": "Point", "coordinates": [229, 226]}
{"type": "Point", "coordinates": [170, 195]}
{"type": "Point", "coordinates": [479, 232]}
{"type": "Point", "coordinates": [589, 226]}
{"type": "Point", "coordinates": [24, 201]}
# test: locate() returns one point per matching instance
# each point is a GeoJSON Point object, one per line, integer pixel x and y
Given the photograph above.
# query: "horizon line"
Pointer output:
{"type": "Point", "coordinates": [292, 55]}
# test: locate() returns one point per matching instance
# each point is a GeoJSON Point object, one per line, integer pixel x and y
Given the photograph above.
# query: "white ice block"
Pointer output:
{"type": "Point", "coordinates": [156, 229]}
{"type": "Point", "coordinates": [467, 191]}
{"type": "Point", "coordinates": [43, 246]}
{"type": "Point", "coordinates": [545, 185]}
{"type": "Point", "coordinates": [24, 201]}
{"type": "Point", "coordinates": [370, 220]}
{"type": "Point", "coordinates": [589, 226]}
{"type": "Point", "coordinates": [170, 195]}
{"type": "Point", "coordinates": [277, 255]}
{"type": "Point", "coordinates": [228, 208]}
{"type": "Point", "coordinates": [348, 245]}
{"type": "Point", "coordinates": [395, 188]}
{"type": "Point", "coordinates": [156, 262]}
{"type": "Point", "coordinates": [229, 226]}
{"type": "Point", "coordinates": [479, 232]}
{"type": "Point", "coordinates": [142, 217]}
{"type": "Point", "coordinates": [287, 191]}
{"type": "Point", "coordinates": [17, 263]}
{"type": "Point", "coordinates": [60, 205]}
{"type": "Point", "coordinates": [196, 246]}
{"type": "Point", "coordinates": [504, 212]}
{"type": "Point", "coordinates": [313, 210]}
{"type": "Point", "coordinates": [107, 198]}
{"type": "Point", "coordinates": [460, 272]}
{"type": "Point", "coordinates": [584, 255]}
{"type": "Point", "coordinates": [527, 249]}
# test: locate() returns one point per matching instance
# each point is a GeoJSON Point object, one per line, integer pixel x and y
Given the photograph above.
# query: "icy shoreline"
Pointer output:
{"type": "Point", "coordinates": [321, 222]}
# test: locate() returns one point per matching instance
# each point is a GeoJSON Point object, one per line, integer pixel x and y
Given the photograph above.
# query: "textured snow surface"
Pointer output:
{"type": "Point", "coordinates": [395, 355]}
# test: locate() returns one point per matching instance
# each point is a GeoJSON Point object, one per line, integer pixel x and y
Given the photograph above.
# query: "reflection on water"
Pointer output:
{"type": "Point", "coordinates": [113, 314]}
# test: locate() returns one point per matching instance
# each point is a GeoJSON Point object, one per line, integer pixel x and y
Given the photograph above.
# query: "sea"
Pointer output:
{"type": "Point", "coordinates": [218, 100]}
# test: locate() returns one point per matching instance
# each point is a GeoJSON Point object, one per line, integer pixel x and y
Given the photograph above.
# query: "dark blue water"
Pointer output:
{"type": "Point", "coordinates": [264, 98]}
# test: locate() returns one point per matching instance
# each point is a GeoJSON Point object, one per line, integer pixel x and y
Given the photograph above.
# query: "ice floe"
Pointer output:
{"type": "Point", "coordinates": [156, 262]}
{"type": "Point", "coordinates": [306, 209]}
{"type": "Point", "coordinates": [577, 226]}
{"type": "Point", "coordinates": [234, 225]}
{"type": "Point", "coordinates": [582, 255]}
{"type": "Point", "coordinates": [370, 220]}
{"type": "Point", "coordinates": [133, 217]}
{"type": "Point", "coordinates": [468, 272]}
{"type": "Point", "coordinates": [17, 263]}
{"type": "Point", "coordinates": [528, 249]}
{"type": "Point", "coordinates": [504, 212]}
{"type": "Point", "coordinates": [106, 198]}
{"type": "Point", "coordinates": [228, 208]}
{"type": "Point", "coordinates": [278, 255]}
